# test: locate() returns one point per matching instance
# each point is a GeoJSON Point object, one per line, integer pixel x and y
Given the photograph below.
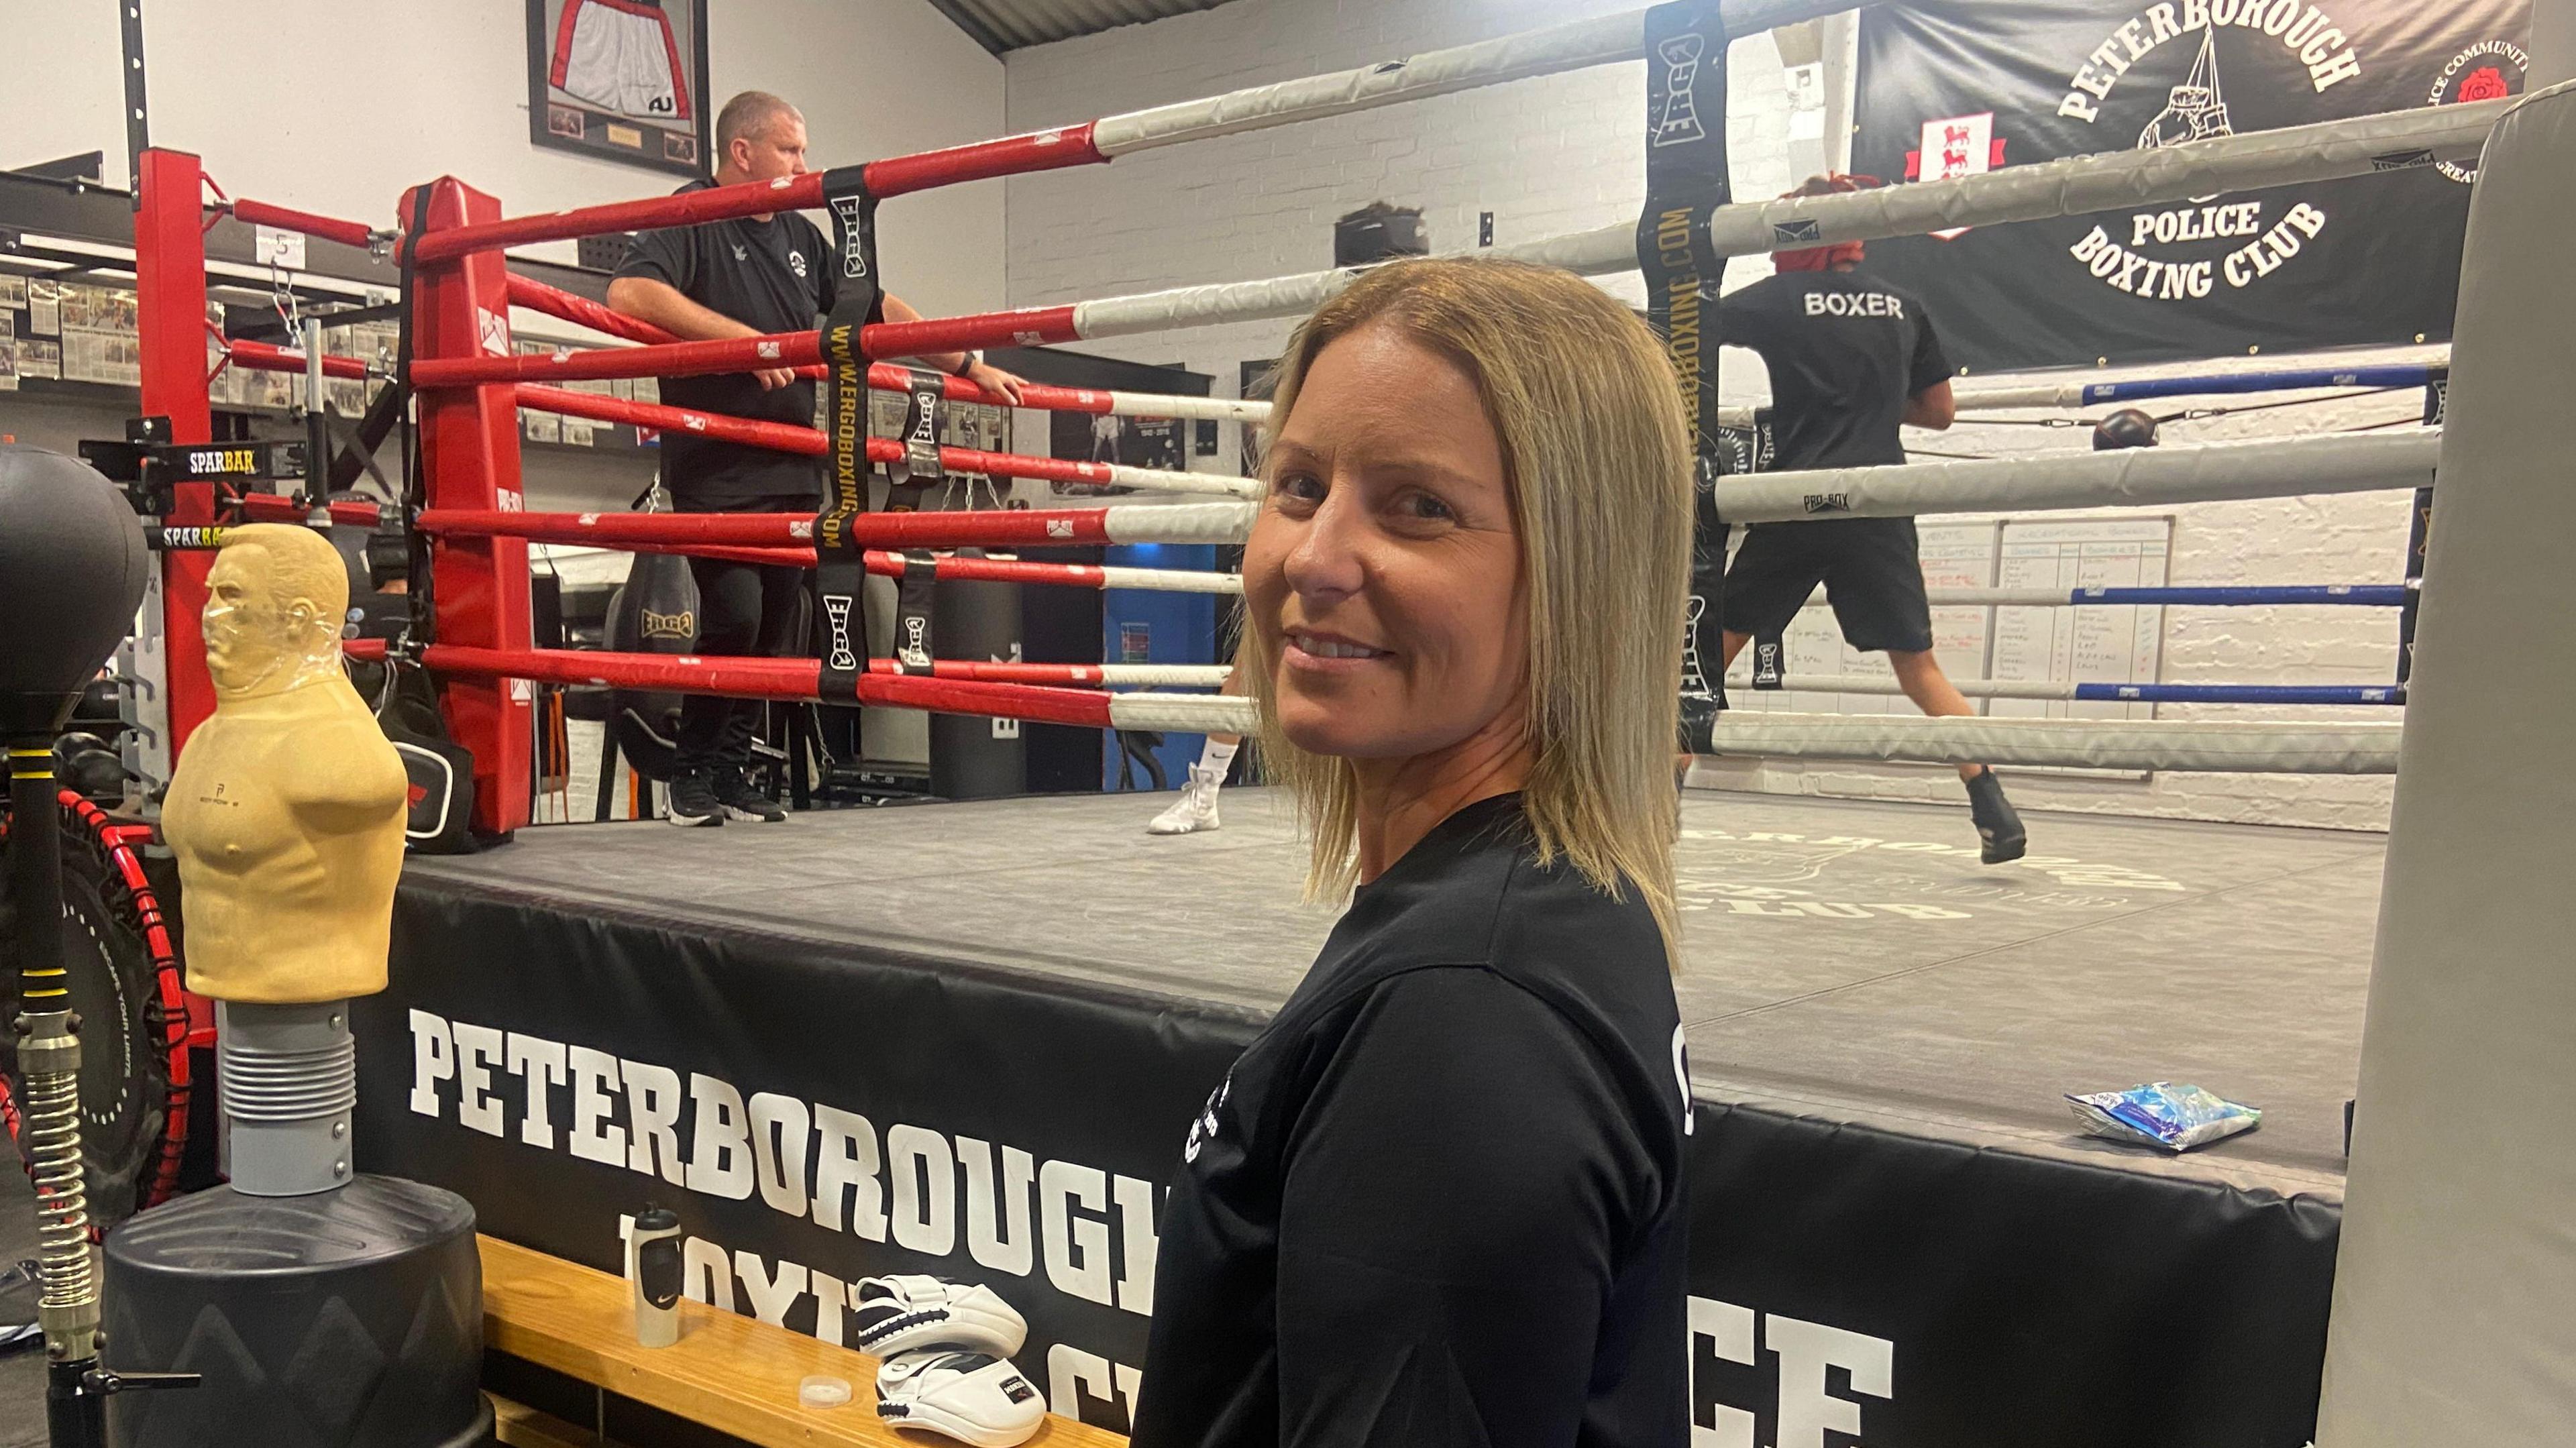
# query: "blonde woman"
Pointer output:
{"type": "Point", "coordinates": [1439, 1200]}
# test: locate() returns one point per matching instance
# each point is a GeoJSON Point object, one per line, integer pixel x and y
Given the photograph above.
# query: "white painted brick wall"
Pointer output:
{"type": "Point", "coordinates": [1562, 154]}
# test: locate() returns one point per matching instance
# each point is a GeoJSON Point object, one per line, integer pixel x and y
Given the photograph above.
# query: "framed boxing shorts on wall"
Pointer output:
{"type": "Point", "coordinates": [624, 79]}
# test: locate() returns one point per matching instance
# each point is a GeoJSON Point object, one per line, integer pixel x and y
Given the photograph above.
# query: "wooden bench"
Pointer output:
{"type": "Point", "coordinates": [734, 1374]}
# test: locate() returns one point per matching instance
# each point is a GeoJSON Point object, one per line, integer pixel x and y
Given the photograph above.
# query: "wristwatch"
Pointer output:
{"type": "Point", "coordinates": [967, 367]}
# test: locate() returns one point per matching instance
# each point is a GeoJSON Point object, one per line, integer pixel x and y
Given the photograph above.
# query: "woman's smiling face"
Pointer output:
{"type": "Point", "coordinates": [1383, 576]}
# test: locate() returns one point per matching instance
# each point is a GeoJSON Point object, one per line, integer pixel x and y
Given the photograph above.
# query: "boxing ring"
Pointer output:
{"type": "Point", "coordinates": [965, 1039]}
{"type": "Point", "coordinates": [1880, 1033]}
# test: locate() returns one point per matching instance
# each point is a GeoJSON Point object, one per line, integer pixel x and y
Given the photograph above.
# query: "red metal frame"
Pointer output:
{"type": "Point", "coordinates": [469, 454]}
{"type": "Point", "coordinates": [347, 233]}
{"type": "Point", "coordinates": [268, 357]}
{"type": "Point", "coordinates": [170, 327]}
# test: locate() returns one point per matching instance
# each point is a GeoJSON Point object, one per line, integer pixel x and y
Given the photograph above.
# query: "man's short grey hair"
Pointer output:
{"type": "Point", "coordinates": [748, 115]}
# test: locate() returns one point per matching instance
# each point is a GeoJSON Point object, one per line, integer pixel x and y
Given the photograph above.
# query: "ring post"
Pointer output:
{"type": "Point", "coordinates": [2455, 1266]}
{"type": "Point", "coordinates": [469, 459]}
{"type": "Point", "coordinates": [170, 301]}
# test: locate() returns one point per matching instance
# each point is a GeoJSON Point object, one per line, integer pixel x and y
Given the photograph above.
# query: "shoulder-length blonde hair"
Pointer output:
{"type": "Point", "coordinates": [1596, 460]}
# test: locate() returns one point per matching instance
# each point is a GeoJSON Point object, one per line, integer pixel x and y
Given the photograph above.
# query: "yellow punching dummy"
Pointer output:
{"type": "Point", "coordinates": [286, 815]}
{"type": "Point", "coordinates": [361, 1293]}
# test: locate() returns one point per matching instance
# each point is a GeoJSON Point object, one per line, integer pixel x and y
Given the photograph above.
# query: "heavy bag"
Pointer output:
{"type": "Point", "coordinates": [654, 612]}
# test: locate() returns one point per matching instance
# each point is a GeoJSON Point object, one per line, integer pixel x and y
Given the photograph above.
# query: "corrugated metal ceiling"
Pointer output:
{"type": "Point", "coordinates": [1006, 25]}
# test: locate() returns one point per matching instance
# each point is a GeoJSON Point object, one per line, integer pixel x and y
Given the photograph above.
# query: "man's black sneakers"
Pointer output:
{"type": "Point", "coordinates": [1998, 827]}
{"type": "Point", "coordinates": [694, 802]}
{"type": "Point", "coordinates": [743, 802]}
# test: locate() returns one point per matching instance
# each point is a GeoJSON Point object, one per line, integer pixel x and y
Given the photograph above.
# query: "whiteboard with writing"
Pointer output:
{"type": "Point", "coordinates": [2089, 644]}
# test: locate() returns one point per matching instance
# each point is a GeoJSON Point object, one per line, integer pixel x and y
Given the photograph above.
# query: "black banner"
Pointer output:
{"type": "Point", "coordinates": [820, 1110]}
{"type": "Point", "coordinates": [1960, 87]}
{"type": "Point", "coordinates": [840, 575]}
{"type": "Point", "coordinates": [815, 1113]}
{"type": "Point", "coordinates": [1857, 1286]}
{"type": "Point", "coordinates": [1686, 179]}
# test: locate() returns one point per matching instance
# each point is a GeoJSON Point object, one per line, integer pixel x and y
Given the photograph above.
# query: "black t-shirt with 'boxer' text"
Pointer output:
{"type": "Point", "coordinates": [1846, 352]}
{"type": "Point", "coordinates": [1439, 1200]}
{"type": "Point", "coordinates": [773, 276]}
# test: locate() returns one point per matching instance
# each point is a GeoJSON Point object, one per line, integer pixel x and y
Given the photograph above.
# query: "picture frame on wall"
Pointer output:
{"type": "Point", "coordinates": [622, 79]}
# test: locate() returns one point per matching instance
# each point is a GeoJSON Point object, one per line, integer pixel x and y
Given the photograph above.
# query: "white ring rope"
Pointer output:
{"type": "Point", "coordinates": [1187, 676]}
{"type": "Point", "coordinates": [1183, 713]}
{"type": "Point", "coordinates": [2028, 743]}
{"type": "Point", "coordinates": [1577, 45]}
{"type": "Point", "coordinates": [1212, 409]}
{"type": "Point", "coordinates": [1986, 397]}
{"type": "Point", "coordinates": [2079, 185]}
{"type": "Point", "coordinates": [1178, 522]}
{"type": "Point", "coordinates": [2053, 690]}
{"type": "Point", "coordinates": [2067, 743]}
{"type": "Point", "coordinates": [1166, 481]}
{"type": "Point", "coordinates": [1171, 580]}
{"type": "Point", "coordinates": [2209, 472]}
{"type": "Point", "coordinates": [2072, 186]}
{"type": "Point", "coordinates": [1997, 397]}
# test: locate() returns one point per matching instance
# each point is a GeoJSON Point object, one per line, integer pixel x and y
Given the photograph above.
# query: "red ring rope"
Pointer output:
{"type": "Point", "coordinates": [591, 364]}
{"type": "Point", "coordinates": [790, 679]}
{"type": "Point", "coordinates": [787, 437]}
{"type": "Point", "coordinates": [779, 436]}
{"type": "Point", "coordinates": [1029, 327]}
{"type": "Point", "coordinates": [882, 564]}
{"type": "Point", "coordinates": [688, 208]}
{"type": "Point", "coordinates": [536, 296]}
{"type": "Point", "coordinates": [894, 176]}
{"type": "Point", "coordinates": [774, 530]}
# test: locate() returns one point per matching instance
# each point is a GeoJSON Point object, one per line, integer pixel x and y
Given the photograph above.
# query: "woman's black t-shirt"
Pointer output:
{"type": "Point", "coordinates": [1439, 1201]}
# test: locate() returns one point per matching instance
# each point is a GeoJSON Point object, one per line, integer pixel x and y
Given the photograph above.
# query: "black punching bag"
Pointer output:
{"type": "Point", "coordinates": [72, 572]}
{"type": "Point", "coordinates": [654, 612]}
{"type": "Point", "coordinates": [973, 757]}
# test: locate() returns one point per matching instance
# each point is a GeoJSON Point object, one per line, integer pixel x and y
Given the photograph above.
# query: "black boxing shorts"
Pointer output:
{"type": "Point", "coordinates": [1869, 568]}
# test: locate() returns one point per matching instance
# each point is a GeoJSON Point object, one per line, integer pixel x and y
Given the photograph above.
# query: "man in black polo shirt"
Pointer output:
{"type": "Point", "coordinates": [742, 278]}
{"type": "Point", "coordinates": [1850, 360]}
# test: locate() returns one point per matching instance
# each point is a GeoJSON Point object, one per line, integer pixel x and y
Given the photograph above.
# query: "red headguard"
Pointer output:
{"type": "Point", "coordinates": [1823, 258]}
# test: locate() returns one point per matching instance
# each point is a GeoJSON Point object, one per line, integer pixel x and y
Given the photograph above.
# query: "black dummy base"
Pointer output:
{"type": "Point", "coordinates": [346, 1319]}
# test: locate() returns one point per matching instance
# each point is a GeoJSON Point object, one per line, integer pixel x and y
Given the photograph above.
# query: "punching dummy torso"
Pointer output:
{"type": "Point", "coordinates": [286, 810]}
